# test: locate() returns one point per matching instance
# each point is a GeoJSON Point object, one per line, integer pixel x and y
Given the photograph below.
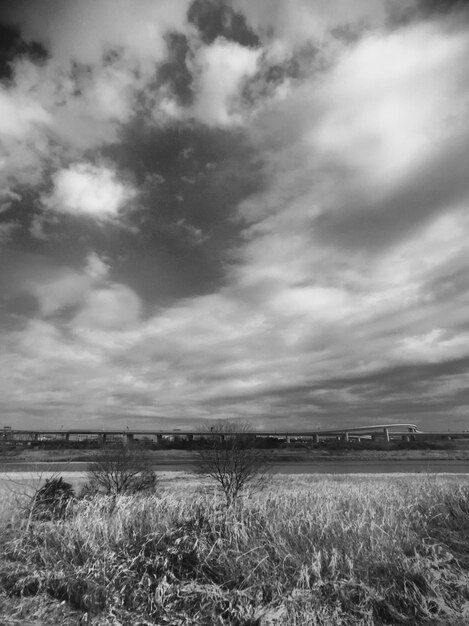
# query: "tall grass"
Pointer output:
{"type": "Point", "coordinates": [352, 552]}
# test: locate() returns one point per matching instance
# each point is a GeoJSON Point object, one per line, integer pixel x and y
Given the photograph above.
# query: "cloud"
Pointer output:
{"type": "Point", "coordinates": [88, 190]}
{"type": "Point", "coordinates": [381, 132]}
{"type": "Point", "coordinates": [115, 306]}
{"type": "Point", "coordinates": [61, 288]}
{"type": "Point", "coordinates": [24, 124]}
{"type": "Point", "coordinates": [386, 108]}
{"type": "Point", "coordinates": [85, 299]}
{"type": "Point", "coordinates": [20, 115]}
{"type": "Point", "coordinates": [222, 66]}
{"type": "Point", "coordinates": [331, 154]}
{"type": "Point", "coordinates": [302, 21]}
{"type": "Point", "coordinates": [49, 116]}
{"type": "Point", "coordinates": [6, 230]}
{"type": "Point", "coordinates": [101, 58]}
{"type": "Point", "coordinates": [217, 19]}
{"type": "Point", "coordinates": [84, 32]}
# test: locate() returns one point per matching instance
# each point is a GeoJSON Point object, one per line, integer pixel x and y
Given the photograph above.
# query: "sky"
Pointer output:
{"type": "Point", "coordinates": [252, 210]}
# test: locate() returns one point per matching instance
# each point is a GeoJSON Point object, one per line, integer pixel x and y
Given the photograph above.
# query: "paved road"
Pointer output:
{"type": "Point", "coordinates": [302, 467]}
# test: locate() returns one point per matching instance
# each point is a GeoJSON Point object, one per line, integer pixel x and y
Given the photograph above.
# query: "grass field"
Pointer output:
{"type": "Point", "coordinates": [323, 550]}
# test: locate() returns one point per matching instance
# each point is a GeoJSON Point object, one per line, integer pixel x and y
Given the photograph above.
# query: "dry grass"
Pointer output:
{"type": "Point", "coordinates": [311, 550]}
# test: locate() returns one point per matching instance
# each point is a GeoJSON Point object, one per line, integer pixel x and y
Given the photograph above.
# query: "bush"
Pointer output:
{"type": "Point", "coordinates": [231, 459]}
{"type": "Point", "coordinates": [50, 502]}
{"type": "Point", "coordinates": [120, 471]}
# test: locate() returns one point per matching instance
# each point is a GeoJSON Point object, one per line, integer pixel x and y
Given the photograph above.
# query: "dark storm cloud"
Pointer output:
{"type": "Point", "coordinates": [403, 378]}
{"type": "Point", "coordinates": [217, 19]}
{"type": "Point", "coordinates": [435, 7]}
{"type": "Point", "coordinates": [174, 72]}
{"type": "Point", "coordinates": [452, 282]}
{"type": "Point", "coordinates": [192, 180]}
{"type": "Point", "coordinates": [406, 392]}
{"type": "Point", "coordinates": [405, 12]}
{"type": "Point", "coordinates": [12, 46]}
{"type": "Point", "coordinates": [179, 239]}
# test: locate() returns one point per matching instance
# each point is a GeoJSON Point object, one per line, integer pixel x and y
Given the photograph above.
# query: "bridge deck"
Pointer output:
{"type": "Point", "coordinates": [404, 428]}
{"type": "Point", "coordinates": [386, 431]}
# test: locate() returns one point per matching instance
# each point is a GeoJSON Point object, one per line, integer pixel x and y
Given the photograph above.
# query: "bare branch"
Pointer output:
{"type": "Point", "coordinates": [118, 471]}
{"type": "Point", "coordinates": [228, 456]}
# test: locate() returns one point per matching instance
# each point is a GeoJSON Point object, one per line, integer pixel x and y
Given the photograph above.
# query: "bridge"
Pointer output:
{"type": "Point", "coordinates": [385, 432]}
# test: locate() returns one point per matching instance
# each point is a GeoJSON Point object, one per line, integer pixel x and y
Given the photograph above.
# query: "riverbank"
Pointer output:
{"type": "Point", "coordinates": [342, 466]}
{"type": "Point", "coordinates": [285, 455]}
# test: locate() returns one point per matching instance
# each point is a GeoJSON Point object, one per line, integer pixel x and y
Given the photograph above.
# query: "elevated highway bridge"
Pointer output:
{"type": "Point", "coordinates": [384, 432]}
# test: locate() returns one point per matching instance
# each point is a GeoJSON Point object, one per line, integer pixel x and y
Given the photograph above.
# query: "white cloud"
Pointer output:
{"type": "Point", "coordinates": [432, 346]}
{"type": "Point", "coordinates": [24, 124]}
{"type": "Point", "coordinates": [96, 268]}
{"type": "Point", "coordinates": [382, 120]}
{"type": "Point", "coordinates": [88, 190]}
{"type": "Point", "coordinates": [222, 66]}
{"type": "Point", "coordinates": [20, 115]}
{"type": "Point", "coordinates": [386, 109]}
{"type": "Point", "coordinates": [47, 115]}
{"type": "Point", "coordinates": [112, 307]}
{"type": "Point", "coordinates": [86, 299]}
{"type": "Point", "coordinates": [101, 56]}
{"type": "Point", "coordinates": [66, 289]}
{"type": "Point", "coordinates": [61, 288]}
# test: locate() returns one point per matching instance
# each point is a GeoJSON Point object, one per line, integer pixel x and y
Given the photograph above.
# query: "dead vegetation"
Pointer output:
{"type": "Point", "coordinates": [351, 552]}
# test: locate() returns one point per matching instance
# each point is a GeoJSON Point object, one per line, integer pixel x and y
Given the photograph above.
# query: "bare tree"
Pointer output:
{"type": "Point", "coordinates": [119, 471]}
{"type": "Point", "coordinates": [228, 455]}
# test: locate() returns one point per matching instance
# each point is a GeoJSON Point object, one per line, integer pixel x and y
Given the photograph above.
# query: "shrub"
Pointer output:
{"type": "Point", "coordinates": [120, 471]}
{"type": "Point", "coordinates": [232, 460]}
{"type": "Point", "coordinates": [52, 499]}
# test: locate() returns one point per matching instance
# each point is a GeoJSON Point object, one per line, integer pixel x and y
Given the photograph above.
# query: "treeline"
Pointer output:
{"type": "Point", "coordinates": [268, 443]}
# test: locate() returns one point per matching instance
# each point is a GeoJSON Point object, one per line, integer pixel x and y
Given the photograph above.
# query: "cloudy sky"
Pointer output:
{"type": "Point", "coordinates": [255, 209]}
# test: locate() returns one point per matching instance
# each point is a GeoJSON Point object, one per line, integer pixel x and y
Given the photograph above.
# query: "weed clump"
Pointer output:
{"type": "Point", "coordinates": [51, 501]}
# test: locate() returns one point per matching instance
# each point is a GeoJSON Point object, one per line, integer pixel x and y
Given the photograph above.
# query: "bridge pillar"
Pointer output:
{"type": "Point", "coordinates": [287, 439]}
{"type": "Point", "coordinates": [345, 437]}
{"type": "Point", "coordinates": [386, 435]}
{"type": "Point", "coordinates": [315, 438]}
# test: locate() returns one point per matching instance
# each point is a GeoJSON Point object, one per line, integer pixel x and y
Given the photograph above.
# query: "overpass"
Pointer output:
{"type": "Point", "coordinates": [385, 432]}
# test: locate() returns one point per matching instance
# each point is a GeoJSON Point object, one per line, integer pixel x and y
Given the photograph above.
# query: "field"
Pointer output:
{"type": "Point", "coordinates": [309, 550]}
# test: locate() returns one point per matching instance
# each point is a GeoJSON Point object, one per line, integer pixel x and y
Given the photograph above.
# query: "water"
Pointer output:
{"type": "Point", "coordinates": [301, 467]}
